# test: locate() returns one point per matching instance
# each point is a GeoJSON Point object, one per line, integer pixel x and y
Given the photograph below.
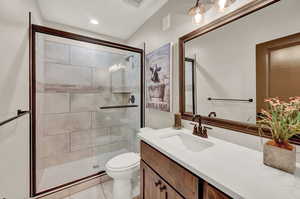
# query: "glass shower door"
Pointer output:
{"type": "Point", "coordinates": [88, 108]}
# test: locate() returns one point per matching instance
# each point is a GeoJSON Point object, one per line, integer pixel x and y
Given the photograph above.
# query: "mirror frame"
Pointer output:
{"type": "Point", "coordinates": [241, 127]}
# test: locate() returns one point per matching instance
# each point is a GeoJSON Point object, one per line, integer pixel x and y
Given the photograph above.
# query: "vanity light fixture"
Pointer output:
{"type": "Point", "coordinates": [222, 4]}
{"type": "Point", "coordinates": [201, 6]}
{"type": "Point", "coordinates": [197, 11]}
{"type": "Point", "coordinates": [94, 21]}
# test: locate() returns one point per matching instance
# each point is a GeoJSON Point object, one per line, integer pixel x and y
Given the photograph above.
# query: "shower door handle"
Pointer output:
{"type": "Point", "coordinates": [119, 106]}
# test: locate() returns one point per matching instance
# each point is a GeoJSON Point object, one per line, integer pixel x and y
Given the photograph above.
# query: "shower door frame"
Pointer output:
{"type": "Point", "coordinates": [34, 29]}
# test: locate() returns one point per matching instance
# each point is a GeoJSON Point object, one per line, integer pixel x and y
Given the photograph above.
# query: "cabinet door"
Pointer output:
{"type": "Point", "coordinates": [154, 187]}
{"type": "Point", "coordinates": [210, 192]}
{"type": "Point", "coordinates": [169, 193]}
{"type": "Point", "coordinates": [150, 183]}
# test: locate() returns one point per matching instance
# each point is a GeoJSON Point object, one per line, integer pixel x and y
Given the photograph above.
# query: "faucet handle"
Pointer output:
{"type": "Point", "coordinates": [195, 129]}
{"type": "Point", "coordinates": [204, 132]}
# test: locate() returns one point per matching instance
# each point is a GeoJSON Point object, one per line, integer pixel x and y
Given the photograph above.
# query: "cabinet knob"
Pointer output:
{"type": "Point", "coordinates": [157, 183]}
{"type": "Point", "coordinates": [163, 188]}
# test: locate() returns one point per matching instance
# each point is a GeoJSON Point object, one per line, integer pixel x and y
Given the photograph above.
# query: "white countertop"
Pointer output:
{"type": "Point", "coordinates": [236, 170]}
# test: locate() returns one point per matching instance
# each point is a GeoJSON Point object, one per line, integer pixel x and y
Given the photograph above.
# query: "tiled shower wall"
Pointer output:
{"type": "Point", "coordinates": [73, 81]}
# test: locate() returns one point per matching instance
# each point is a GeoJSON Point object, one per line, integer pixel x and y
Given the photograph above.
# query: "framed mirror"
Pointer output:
{"type": "Point", "coordinates": [240, 60]}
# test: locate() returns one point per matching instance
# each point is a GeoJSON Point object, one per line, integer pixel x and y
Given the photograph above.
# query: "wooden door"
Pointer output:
{"type": "Point", "coordinates": [278, 69]}
{"type": "Point", "coordinates": [210, 192]}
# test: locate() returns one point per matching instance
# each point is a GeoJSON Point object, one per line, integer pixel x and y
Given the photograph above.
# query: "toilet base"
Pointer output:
{"type": "Point", "coordinates": [122, 189]}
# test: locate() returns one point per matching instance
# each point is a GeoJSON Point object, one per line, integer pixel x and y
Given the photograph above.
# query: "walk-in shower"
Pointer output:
{"type": "Point", "coordinates": [87, 102]}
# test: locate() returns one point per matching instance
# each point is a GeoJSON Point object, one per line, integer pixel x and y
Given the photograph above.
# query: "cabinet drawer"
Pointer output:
{"type": "Point", "coordinates": [179, 178]}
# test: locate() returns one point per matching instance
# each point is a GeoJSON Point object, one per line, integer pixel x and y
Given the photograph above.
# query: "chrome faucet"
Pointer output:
{"type": "Point", "coordinates": [199, 130]}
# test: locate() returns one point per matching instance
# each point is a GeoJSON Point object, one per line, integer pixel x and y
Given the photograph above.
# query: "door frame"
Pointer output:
{"type": "Point", "coordinates": [33, 30]}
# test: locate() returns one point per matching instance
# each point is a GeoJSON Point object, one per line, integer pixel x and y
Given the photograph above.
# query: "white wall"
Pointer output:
{"type": "Point", "coordinates": [151, 33]}
{"type": "Point", "coordinates": [14, 86]}
{"type": "Point", "coordinates": [226, 59]}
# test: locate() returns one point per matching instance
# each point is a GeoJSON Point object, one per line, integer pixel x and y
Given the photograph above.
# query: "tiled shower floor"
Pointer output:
{"type": "Point", "coordinates": [101, 191]}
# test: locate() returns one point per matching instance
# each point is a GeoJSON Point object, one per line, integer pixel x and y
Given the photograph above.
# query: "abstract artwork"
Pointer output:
{"type": "Point", "coordinates": [159, 78]}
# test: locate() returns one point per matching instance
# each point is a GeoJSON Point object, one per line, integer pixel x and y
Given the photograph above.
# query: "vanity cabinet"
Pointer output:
{"type": "Point", "coordinates": [181, 180]}
{"type": "Point", "coordinates": [163, 178]}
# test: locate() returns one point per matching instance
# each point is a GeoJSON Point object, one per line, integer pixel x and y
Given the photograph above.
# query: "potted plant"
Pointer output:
{"type": "Point", "coordinates": [282, 119]}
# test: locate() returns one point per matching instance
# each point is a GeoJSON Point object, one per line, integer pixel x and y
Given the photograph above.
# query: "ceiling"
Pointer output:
{"type": "Point", "coordinates": [117, 18]}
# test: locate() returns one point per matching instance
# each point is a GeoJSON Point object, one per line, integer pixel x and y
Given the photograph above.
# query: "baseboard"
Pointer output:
{"type": "Point", "coordinates": [76, 187]}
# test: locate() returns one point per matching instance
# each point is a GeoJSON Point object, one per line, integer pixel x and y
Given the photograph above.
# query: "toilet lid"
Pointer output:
{"type": "Point", "coordinates": [123, 161]}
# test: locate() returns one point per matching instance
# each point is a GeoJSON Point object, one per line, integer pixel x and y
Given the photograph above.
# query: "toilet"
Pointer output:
{"type": "Point", "coordinates": [122, 169]}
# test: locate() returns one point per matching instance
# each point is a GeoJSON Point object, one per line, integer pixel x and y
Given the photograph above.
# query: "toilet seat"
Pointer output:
{"type": "Point", "coordinates": [123, 162]}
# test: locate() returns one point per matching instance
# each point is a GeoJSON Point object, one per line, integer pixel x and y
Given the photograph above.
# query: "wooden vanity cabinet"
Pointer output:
{"type": "Point", "coordinates": [163, 178]}
{"type": "Point", "coordinates": [184, 182]}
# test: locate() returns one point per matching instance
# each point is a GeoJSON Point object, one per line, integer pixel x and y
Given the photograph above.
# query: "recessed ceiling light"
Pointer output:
{"type": "Point", "coordinates": [94, 21]}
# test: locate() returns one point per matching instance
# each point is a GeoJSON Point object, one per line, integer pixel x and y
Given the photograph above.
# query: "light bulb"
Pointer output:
{"type": "Point", "coordinates": [94, 22]}
{"type": "Point", "coordinates": [222, 4]}
{"type": "Point", "coordinates": [198, 18]}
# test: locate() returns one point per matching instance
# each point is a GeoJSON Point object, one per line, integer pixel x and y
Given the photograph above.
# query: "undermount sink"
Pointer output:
{"type": "Point", "coordinates": [186, 142]}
